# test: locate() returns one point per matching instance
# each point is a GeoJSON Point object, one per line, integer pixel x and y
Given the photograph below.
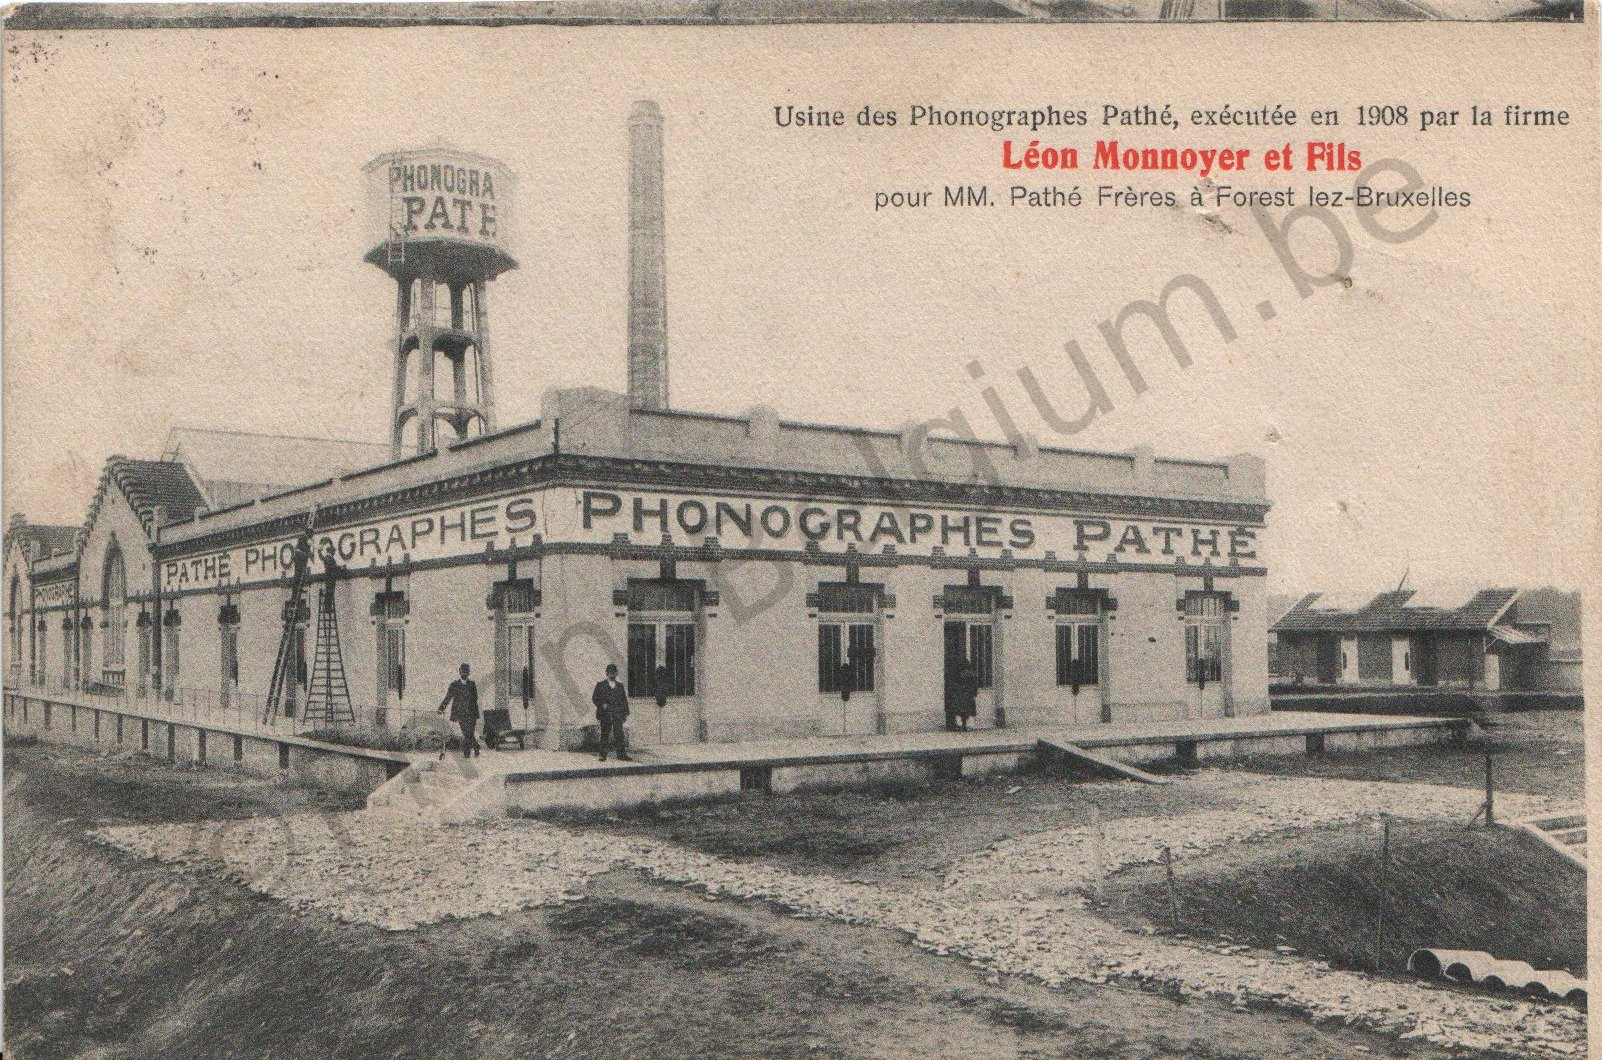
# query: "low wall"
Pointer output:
{"type": "Point", "coordinates": [111, 727]}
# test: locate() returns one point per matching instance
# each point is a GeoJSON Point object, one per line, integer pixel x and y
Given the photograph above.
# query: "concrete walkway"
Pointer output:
{"type": "Point", "coordinates": [535, 764]}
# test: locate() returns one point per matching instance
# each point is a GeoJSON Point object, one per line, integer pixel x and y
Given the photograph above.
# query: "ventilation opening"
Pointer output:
{"type": "Point", "coordinates": [1185, 752]}
{"type": "Point", "coordinates": [239, 749]}
{"type": "Point", "coordinates": [1315, 743]}
{"type": "Point", "coordinates": [757, 778]}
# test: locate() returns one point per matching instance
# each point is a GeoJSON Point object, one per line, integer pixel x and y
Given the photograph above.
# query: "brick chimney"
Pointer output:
{"type": "Point", "coordinates": [648, 354]}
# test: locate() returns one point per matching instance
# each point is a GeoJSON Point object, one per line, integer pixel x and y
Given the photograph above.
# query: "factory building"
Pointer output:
{"type": "Point", "coordinates": [752, 577]}
{"type": "Point", "coordinates": [1487, 639]}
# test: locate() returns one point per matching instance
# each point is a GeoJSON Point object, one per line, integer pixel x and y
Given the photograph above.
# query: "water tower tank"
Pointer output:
{"type": "Point", "coordinates": [440, 206]}
{"type": "Point", "coordinates": [440, 221]}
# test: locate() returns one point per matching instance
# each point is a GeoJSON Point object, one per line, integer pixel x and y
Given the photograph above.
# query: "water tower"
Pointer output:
{"type": "Point", "coordinates": [440, 223]}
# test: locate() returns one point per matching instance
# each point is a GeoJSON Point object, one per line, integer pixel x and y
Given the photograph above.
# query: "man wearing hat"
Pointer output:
{"type": "Point", "coordinates": [611, 701]}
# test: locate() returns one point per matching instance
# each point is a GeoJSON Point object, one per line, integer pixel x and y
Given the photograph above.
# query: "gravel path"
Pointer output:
{"type": "Point", "coordinates": [1052, 862]}
{"type": "Point", "coordinates": [1004, 909]}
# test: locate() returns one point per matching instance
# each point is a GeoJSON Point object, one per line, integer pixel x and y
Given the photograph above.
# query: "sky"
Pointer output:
{"type": "Point", "coordinates": [184, 239]}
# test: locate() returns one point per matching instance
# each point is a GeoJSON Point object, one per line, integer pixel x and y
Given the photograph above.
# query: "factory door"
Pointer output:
{"type": "Point", "coordinates": [1426, 664]}
{"type": "Point", "coordinates": [1329, 660]}
{"type": "Point", "coordinates": [970, 646]}
{"type": "Point", "coordinates": [1207, 653]}
{"type": "Point", "coordinates": [518, 673]}
{"type": "Point", "coordinates": [514, 606]}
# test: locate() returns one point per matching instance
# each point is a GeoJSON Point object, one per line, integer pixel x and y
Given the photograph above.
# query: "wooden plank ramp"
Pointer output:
{"type": "Point", "coordinates": [1098, 763]}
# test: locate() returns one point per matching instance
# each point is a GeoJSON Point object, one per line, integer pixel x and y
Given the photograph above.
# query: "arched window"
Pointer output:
{"type": "Point", "coordinates": [114, 600]}
{"type": "Point", "coordinates": [14, 625]}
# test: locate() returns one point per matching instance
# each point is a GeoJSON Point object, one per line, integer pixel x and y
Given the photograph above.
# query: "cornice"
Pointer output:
{"type": "Point", "coordinates": [574, 469]}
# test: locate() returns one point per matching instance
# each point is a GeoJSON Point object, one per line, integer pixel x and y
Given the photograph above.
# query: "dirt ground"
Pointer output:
{"type": "Point", "coordinates": [110, 957]}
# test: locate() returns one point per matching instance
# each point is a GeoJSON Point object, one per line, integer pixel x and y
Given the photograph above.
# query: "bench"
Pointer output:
{"type": "Point", "coordinates": [498, 729]}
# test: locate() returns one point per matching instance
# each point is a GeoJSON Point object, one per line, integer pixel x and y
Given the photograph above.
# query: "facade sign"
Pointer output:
{"type": "Point", "coordinates": [55, 594]}
{"type": "Point", "coordinates": [597, 516]}
{"type": "Point", "coordinates": [441, 194]}
{"type": "Point", "coordinates": [784, 524]}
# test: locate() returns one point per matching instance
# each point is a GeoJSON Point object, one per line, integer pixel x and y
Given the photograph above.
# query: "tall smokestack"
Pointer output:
{"type": "Point", "coordinates": [648, 355]}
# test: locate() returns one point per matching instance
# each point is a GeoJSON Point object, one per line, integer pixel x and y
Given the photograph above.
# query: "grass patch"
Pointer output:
{"type": "Point", "coordinates": [693, 941]}
{"type": "Point", "coordinates": [1533, 753]}
{"type": "Point", "coordinates": [1319, 891]}
{"type": "Point", "coordinates": [367, 739]}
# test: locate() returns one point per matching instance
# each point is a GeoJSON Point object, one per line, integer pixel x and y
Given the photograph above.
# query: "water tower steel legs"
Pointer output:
{"type": "Point", "coordinates": [424, 398]}
{"type": "Point", "coordinates": [403, 308]}
{"type": "Point", "coordinates": [486, 389]}
{"type": "Point", "coordinates": [420, 339]}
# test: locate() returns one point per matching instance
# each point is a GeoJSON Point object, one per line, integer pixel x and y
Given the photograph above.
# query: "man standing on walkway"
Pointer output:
{"type": "Point", "coordinates": [462, 697]}
{"type": "Point", "coordinates": [611, 701]}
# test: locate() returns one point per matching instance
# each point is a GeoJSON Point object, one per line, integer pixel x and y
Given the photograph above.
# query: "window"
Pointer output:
{"type": "Point", "coordinates": [981, 652]}
{"type": "Point", "coordinates": [1078, 638]}
{"type": "Point", "coordinates": [661, 638]}
{"type": "Point", "coordinates": [298, 648]}
{"type": "Point", "coordinates": [390, 608]}
{"type": "Point", "coordinates": [642, 657]}
{"type": "Point", "coordinates": [669, 646]}
{"type": "Point", "coordinates": [391, 662]}
{"type": "Point", "coordinates": [14, 628]}
{"type": "Point", "coordinates": [1204, 637]}
{"type": "Point", "coordinates": [229, 639]}
{"type": "Point", "coordinates": [169, 658]}
{"type": "Point", "coordinates": [86, 650]}
{"type": "Point", "coordinates": [514, 603]}
{"type": "Point", "coordinates": [517, 646]}
{"type": "Point", "coordinates": [843, 644]}
{"type": "Point", "coordinates": [114, 590]}
{"type": "Point", "coordinates": [846, 634]}
{"type": "Point", "coordinates": [970, 639]}
{"type": "Point", "coordinates": [146, 632]}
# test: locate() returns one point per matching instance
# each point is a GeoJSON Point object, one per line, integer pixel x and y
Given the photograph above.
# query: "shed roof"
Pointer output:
{"type": "Point", "coordinates": [1396, 612]}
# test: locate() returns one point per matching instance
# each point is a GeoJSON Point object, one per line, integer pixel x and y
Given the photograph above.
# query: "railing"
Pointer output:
{"type": "Point", "coordinates": [392, 728]}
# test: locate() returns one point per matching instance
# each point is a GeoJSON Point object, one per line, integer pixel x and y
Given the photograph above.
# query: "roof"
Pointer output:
{"type": "Point", "coordinates": [148, 485]}
{"type": "Point", "coordinates": [764, 452]}
{"type": "Point", "coordinates": [51, 540]}
{"type": "Point", "coordinates": [1396, 612]}
{"type": "Point", "coordinates": [233, 465]}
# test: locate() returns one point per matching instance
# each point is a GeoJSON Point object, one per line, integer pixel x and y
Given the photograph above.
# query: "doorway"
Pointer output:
{"type": "Point", "coordinates": [1329, 660]}
{"type": "Point", "coordinates": [1426, 664]}
{"type": "Point", "coordinates": [972, 642]}
{"type": "Point", "coordinates": [518, 653]}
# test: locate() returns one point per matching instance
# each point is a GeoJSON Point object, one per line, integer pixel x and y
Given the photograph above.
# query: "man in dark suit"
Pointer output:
{"type": "Point", "coordinates": [611, 701]}
{"type": "Point", "coordinates": [462, 697]}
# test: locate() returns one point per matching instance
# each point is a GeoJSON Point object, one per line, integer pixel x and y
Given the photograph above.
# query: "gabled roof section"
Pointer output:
{"type": "Point", "coordinates": [1396, 612]}
{"type": "Point", "coordinates": [147, 485]}
{"type": "Point", "coordinates": [48, 540]}
{"type": "Point", "coordinates": [235, 466]}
